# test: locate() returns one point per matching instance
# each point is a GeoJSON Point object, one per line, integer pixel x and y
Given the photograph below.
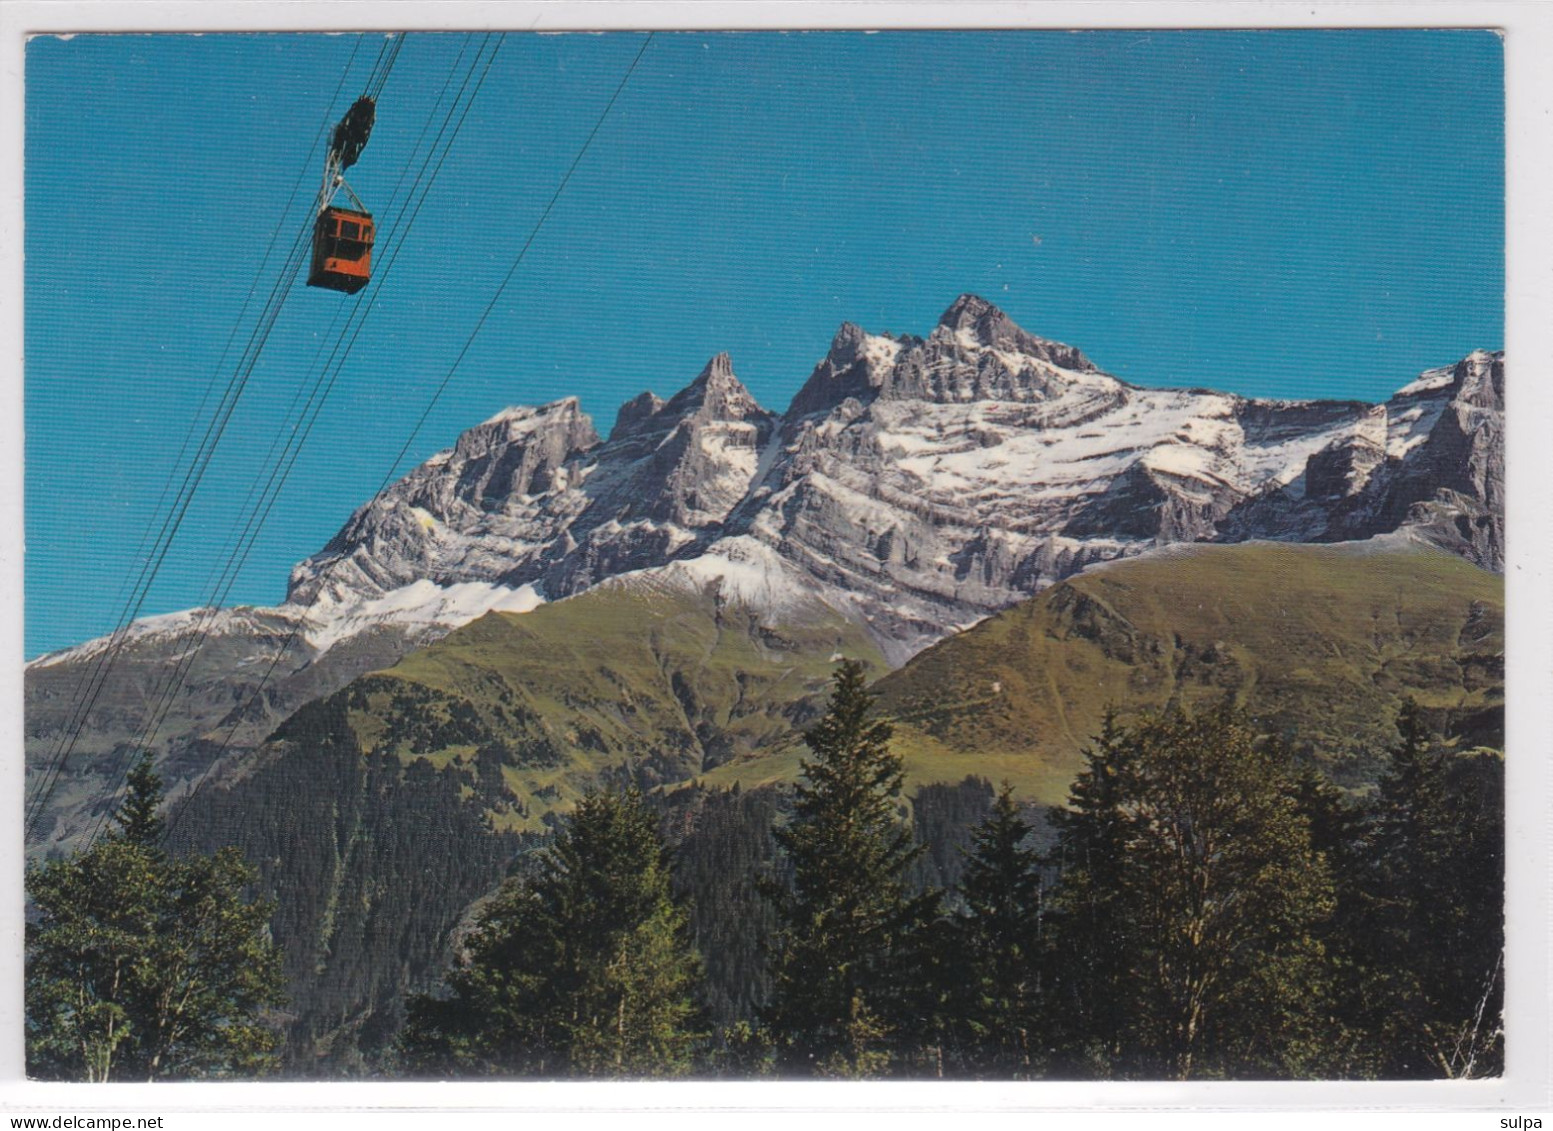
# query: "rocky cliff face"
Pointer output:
{"type": "Point", "coordinates": [1430, 460]}
{"type": "Point", "coordinates": [478, 512]}
{"type": "Point", "coordinates": [922, 483]}
{"type": "Point", "coordinates": [532, 497]}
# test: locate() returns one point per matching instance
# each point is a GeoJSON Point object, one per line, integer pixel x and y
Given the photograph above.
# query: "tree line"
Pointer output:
{"type": "Point", "coordinates": [1204, 907]}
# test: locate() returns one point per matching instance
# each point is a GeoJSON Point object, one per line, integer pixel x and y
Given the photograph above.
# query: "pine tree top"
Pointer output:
{"type": "Point", "coordinates": [138, 815]}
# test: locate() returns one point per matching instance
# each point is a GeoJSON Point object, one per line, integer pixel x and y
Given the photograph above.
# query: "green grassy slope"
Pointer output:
{"type": "Point", "coordinates": [657, 685]}
{"type": "Point", "coordinates": [1322, 643]}
{"type": "Point", "coordinates": [378, 814]}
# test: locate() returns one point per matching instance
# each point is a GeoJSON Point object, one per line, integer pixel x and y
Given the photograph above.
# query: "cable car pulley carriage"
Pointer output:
{"type": "Point", "coordinates": [342, 237]}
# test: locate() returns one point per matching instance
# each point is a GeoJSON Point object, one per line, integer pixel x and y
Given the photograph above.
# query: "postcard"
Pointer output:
{"type": "Point", "coordinates": [901, 555]}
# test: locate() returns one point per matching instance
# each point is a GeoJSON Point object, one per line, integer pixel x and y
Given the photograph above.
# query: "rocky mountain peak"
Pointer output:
{"type": "Point", "coordinates": [516, 420]}
{"type": "Point", "coordinates": [643, 406]}
{"type": "Point", "coordinates": [967, 310]}
{"type": "Point", "coordinates": [562, 424]}
{"type": "Point", "coordinates": [1478, 379]}
{"type": "Point", "coordinates": [855, 366]}
{"type": "Point", "coordinates": [847, 345]}
{"type": "Point", "coordinates": [932, 480]}
{"type": "Point", "coordinates": [719, 367]}
{"type": "Point", "coordinates": [716, 394]}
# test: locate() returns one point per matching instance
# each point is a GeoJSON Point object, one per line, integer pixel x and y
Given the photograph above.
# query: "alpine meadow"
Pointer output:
{"type": "Point", "coordinates": [592, 556]}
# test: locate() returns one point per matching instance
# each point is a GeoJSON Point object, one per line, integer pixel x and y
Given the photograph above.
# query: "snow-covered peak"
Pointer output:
{"type": "Point", "coordinates": [856, 366]}
{"type": "Point", "coordinates": [1466, 378]}
{"type": "Point", "coordinates": [918, 482]}
{"type": "Point", "coordinates": [1480, 380]}
{"type": "Point", "coordinates": [559, 425]}
{"type": "Point", "coordinates": [1429, 381]}
{"type": "Point", "coordinates": [528, 417]}
{"type": "Point", "coordinates": [716, 394]}
{"type": "Point", "coordinates": [551, 433]}
{"type": "Point", "coordinates": [270, 625]}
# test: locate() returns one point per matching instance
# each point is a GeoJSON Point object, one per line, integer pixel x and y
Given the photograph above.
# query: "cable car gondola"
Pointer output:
{"type": "Point", "coordinates": [342, 250]}
{"type": "Point", "coordinates": [342, 237]}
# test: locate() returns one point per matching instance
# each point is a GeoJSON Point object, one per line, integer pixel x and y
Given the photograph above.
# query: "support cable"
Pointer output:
{"type": "Point", "coordinates": [176, 817]}
{"type": "Point", "coordinates": [89, 687]}
{"type": "Point", "coordinates": [388, 55]}
{"type": "Point", "coordinates": [291, 445]}
{"type": "Point", "coordinates": [353, 325]}
{"type": "Point", "coordinates": [235, 553]}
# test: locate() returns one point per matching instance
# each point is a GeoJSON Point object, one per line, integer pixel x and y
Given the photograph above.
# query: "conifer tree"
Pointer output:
{"type": "Point", "coordinates": [1087, 982]}
{"type": "Point", "coordinates": [996, 942]}
{"type": "Point", "coordinates": [581, 969]}
{"type": "Point", "coordinates": [1436, 938]}
{"type": "Point", "coordinates": [141, 966]}
{"type": "Point", "coordinates": [847, 926]}
{"type": "Point", "coordinates": [139, 815]}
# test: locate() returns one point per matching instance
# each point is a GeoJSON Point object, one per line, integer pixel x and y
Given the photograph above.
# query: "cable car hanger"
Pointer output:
{"type": "Point", "coordinates": [342, 237]}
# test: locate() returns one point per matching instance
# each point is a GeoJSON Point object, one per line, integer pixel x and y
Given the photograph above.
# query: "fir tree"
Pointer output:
{"type": "Point", "coordinates": [139, 816]}
{"type": "Point", "coordinates": [145, 967]}
{"type": "Point", "coordinates": [1436, 937]}
{"type": "Point", "coordinates": [846, 939]}
{"type": "Point", "coordinates": [1091, 925]}
{"type": "Point", "coordinates": [581, 969]}
{"type": "Point", "coordinates": [996, 942]}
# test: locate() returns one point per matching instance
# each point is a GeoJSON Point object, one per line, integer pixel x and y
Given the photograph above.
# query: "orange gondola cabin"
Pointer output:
{"type": "Point", "coordinates": [342, 250]}
{"type": "Point", "coordinates": [342, 237]}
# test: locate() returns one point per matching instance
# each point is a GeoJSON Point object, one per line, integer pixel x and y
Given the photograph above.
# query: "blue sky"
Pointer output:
{"type": "Point", "coordinates": [1306, 213]}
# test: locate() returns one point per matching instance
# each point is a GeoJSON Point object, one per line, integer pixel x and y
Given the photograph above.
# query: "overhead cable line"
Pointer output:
{"type": "Point", "coordinates": [131, 607]}
{"type": "Point", "coordinates": [215, 429]}
{"type": "Point", "coordinates": [238, 546]}
{"type": "Point", "coordinates": [176, 817]}
{"type": "Point", "coordinates": [283, 450]}
{"type": "Point", "coordinates": [89, 689]}
{"type": "Point", "coordinates": [280, 471]}
{"type": "Point", "coordinates": [238, 714]}
{"type": "Point", "coordinates": [290, 449]}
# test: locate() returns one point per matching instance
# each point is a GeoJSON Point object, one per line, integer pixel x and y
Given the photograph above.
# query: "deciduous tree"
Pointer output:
{"type": "Point", "coordinates": [141, 966]}
{"type": "Point", "coordinates": [1187, 838]}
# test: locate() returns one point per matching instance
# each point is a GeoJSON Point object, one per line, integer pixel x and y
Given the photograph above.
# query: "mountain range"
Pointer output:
{"type": "Point", "coordinates": [913, 487]}
{"type": "Point", "coordinates": [921, 484]}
